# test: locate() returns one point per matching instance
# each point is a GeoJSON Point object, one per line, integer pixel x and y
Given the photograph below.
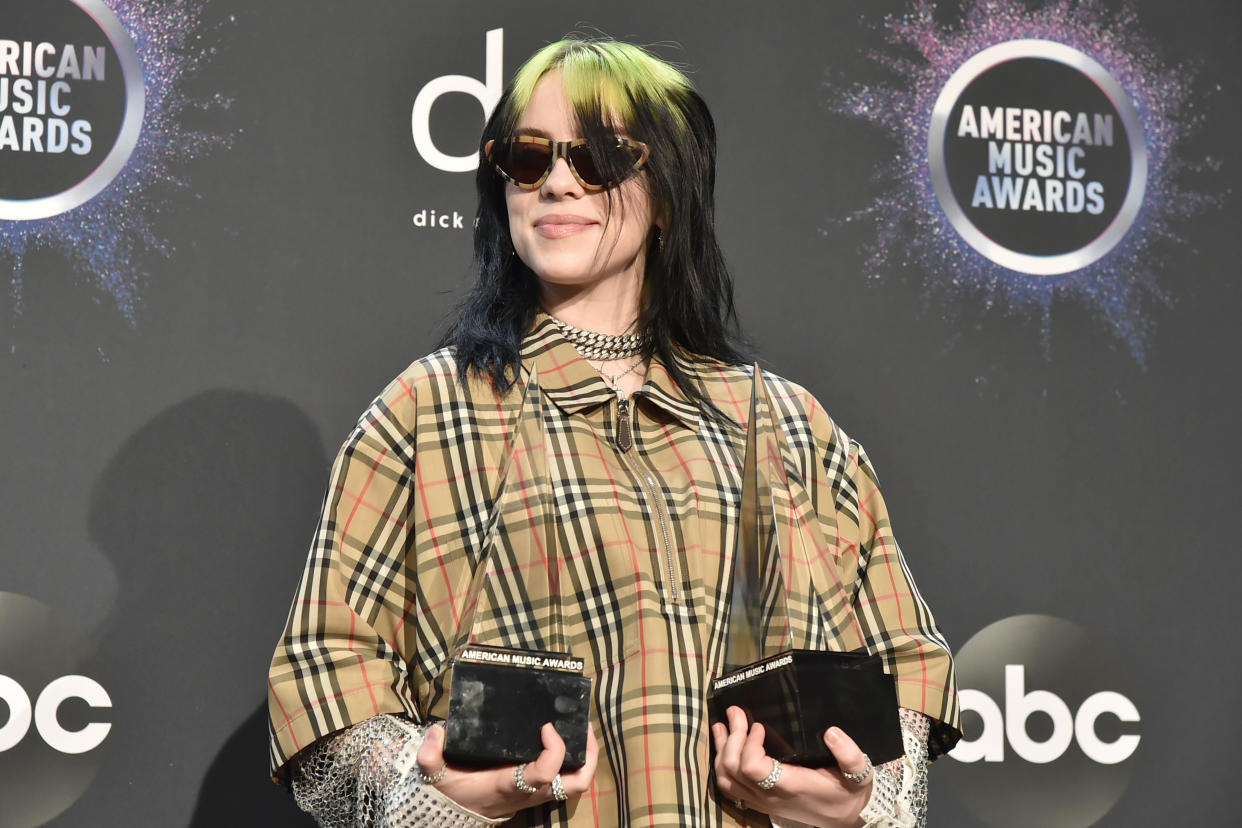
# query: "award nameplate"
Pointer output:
{"type": "Point", "coordinates": [796, 693]}
{"type": "Point", "coordinates": [500, 696]}
{"type": "Point", "coordinates": [799, 694]}
{"type": "Point", "coordinates": [499, 699]}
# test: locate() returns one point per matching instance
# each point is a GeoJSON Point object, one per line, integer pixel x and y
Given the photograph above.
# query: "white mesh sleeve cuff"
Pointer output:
{"type": "Point", "coordinates": [366, 776]}
{"type": "Point", "coordinates": [899, 788]}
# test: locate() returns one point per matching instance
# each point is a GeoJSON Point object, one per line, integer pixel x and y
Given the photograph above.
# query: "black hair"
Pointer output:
{"type": "Point", "coordinates": [686, 303]}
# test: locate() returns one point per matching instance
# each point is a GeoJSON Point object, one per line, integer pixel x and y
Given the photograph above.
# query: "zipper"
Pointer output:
{"type": "Point", "coordinates": [625, 440]}
{"type": "Point", "coordinates": [625, 431]}
{"type": "Point", "coordinates": [673, 593]}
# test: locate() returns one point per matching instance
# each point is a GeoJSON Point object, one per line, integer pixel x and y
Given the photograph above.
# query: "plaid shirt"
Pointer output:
{"type": "Point", "coordinates": [645, 546]}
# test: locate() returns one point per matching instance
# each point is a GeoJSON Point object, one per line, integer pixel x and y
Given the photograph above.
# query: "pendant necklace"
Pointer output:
{"type": "Point", "coordinates": [625, 432]}
{"type": "Point", "coordinates": [594, 347]}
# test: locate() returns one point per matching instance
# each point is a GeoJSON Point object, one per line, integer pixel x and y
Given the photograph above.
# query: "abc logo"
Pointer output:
{"type": "Point", "coordinates": [45, 712]}
{"type": "Point", "coordinates": [1050, 726]}
{"type": "Point", "coordinates": [1020, 706]}
{"type": "Point", "coordinates": [487, 93]}
{"type": "Point", "coordinates": [54, 720]}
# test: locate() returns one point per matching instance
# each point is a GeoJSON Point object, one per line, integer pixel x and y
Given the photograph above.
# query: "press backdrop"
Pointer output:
{"type": "Point", "coordinates": [201, 301]}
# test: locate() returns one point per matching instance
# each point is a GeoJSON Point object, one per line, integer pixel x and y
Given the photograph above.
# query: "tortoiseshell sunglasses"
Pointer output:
{"type": "Point", "coordinates": [527, 160]}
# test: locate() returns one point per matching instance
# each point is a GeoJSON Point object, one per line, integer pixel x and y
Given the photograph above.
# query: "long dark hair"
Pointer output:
{"type": "Point", "coordinates": [687, 294]}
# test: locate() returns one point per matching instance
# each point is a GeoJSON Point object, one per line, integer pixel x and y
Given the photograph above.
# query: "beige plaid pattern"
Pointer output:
{"type": "Point", "coordinates": [642, 555]}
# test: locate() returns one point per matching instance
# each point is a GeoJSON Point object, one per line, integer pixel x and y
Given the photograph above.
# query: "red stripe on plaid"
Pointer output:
{"type": "Point", "coordinates": [362, 664]}
{"type": "Point", "coordinates": [284, 714]}
{"type": "Point", "coordinates": [642, 623]}
{"type": "Point", "coordinates": [901, 621]}
{"type": "Point", "coordinates": [319, 701]}
{"type": "Point", "coordinates": [366, 484]}
{"type": "Point", "coordinates": [425, 503]}
{"type": "Point", "coordinates": [651, 709]}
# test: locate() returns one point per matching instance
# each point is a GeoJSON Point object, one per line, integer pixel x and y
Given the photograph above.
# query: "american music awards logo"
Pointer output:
{"type": "Point", "coordinates": [71, 105]}
{"type": "Point", "coordinates": [90, 104]}
{"type": "Point", "coordinates": [1037, 157]}
{"type": "Point", "coordinates": [1036, 161]}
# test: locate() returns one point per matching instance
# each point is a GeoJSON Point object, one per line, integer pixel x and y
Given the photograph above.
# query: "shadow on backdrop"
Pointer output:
{"type": "Point", "coordinates": [207, 512]}
{"type": "Point", "coordinates": [234, 794]}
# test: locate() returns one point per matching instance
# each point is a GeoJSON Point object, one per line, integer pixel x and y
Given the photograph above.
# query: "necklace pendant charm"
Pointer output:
{"type": "Point", "coordinates": [625, 434]}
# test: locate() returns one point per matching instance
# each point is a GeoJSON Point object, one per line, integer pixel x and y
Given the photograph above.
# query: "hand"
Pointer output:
{"type": "Point", "coordinates": [492, 792]}
{"type": "Point", "coordinates": [816, 796]}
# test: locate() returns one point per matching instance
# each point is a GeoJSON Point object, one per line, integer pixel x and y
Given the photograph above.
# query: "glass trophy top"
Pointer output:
{"type": "Point", "coordinates": [518, 575]}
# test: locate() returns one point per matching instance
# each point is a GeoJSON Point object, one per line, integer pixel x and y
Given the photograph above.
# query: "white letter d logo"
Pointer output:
{"type": "Point", "coordinates": [488, 94]}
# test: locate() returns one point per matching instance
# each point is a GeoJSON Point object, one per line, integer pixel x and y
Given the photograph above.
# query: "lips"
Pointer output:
{"type": "Point", "coordinates": [558, 226]}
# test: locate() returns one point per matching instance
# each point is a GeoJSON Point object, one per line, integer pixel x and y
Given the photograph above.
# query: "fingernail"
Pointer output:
{"type": "Point", "coordinates": [834, 734]}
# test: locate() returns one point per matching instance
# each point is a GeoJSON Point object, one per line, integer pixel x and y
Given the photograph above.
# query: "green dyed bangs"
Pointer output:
{"type": "Point", "coordinates": [604, 76]}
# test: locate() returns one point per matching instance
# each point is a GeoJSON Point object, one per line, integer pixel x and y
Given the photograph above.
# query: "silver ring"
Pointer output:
{"type": "Point", "coordinates": [861, 776]}
{"type": "Point", "coordinates": [768, 782]}
{"type": "Point", "coordinates": [558, 789]}
{"type": "Point", "coordinates": [434, 778]}
{"type": "Point", "coordinates": [519, 780]}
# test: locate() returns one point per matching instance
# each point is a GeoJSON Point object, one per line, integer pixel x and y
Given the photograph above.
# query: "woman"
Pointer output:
{"type": "Point", "coordinates": [599, 273]}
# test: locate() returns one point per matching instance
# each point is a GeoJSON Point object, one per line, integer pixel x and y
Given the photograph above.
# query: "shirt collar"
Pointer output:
{"type": "Point", "coordinates": [574, 385]}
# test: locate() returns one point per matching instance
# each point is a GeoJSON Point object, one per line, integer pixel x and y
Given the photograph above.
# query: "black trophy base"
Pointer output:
{"type": "Point", "coordinates": [499, 699]}
{"type": "Point", "coordinates": [798, 694]}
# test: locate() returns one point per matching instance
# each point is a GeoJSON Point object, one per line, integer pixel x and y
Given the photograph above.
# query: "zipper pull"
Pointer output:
{"type": "Point", "coordinates": [625, 436]}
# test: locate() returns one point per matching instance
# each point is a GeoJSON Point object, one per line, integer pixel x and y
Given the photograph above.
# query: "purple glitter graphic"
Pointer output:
{"type": "Point", "coordinates": [912, 229]}
{"type": "Point", "coordinates": [101, 237]}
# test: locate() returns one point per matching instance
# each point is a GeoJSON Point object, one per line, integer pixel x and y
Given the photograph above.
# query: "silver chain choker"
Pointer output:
{"type": "Point", "coordinates": [602, 347]}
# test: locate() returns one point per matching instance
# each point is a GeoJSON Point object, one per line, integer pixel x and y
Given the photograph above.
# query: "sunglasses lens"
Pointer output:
{"type": "Point", "coordinates": [523, 161]}
{"type": "Point", "coordinates": [583, 162]}
{"type": "Point", "coordinates": [605, 166]}
{"type": "Point", "coordinates": [527, 161]}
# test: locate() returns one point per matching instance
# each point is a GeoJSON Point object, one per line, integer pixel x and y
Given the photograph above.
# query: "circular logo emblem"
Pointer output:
{"type": "Point", "coordinates": [1037, 156]}
{"type": "Point", "coordinates": [71, 104]}
{"type": "Point", "coordinates": [53, 720]}
{"type": "Point", "coordinates": [1049, 727]}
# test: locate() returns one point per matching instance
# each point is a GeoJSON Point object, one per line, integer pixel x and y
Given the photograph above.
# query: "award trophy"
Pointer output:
{"type": "Point", "coordinates": [500, 696]}
{"type": "Point", "coordinates": [796, 693]}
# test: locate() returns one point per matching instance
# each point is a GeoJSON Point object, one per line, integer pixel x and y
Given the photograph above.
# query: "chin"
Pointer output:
{"type": "Point", "coordinates": [575, 269]}
{"type": "Point", "coordinates": [566, 277]}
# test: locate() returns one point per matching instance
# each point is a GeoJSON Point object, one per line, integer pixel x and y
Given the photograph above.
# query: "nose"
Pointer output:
{"type": "Point", "coordinates": [561, 181]}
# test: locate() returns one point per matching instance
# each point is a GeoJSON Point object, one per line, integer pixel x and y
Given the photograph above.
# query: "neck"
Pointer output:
{"type": "Point", "coordinates": [609, 306]}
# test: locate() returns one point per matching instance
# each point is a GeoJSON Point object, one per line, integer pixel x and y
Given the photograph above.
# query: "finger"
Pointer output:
{"type": "Point", "coordinates": [730, 788]}
{"type": "Point", "coordinates": [736, 717]}
{"type": "Point", "coordinates": [719, 734]}
{"type": "Point", "coordinates": [726, 781]}
{"type": "Point", "coordinates": [754, 762]}
{"type": "Point", "coordinates": [431, 753]}
{"type": "Point", "coordinates": [579, 781]}
{"type": "Point", "coordinates": [731, 754]}
{"type": "Point", "coordinates": [848, 754]}
{"type": "Point", "coordinates": [548, 763]}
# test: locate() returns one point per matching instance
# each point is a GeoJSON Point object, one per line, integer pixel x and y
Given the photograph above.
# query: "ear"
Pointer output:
{"type": "Point", "coordinates": [659, 214]}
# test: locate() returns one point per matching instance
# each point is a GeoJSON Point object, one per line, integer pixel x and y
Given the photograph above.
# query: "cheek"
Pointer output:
{"type": "Point", "coordinates": [513, 205]}
{"type": "Point", "coordinates": [641, 202]}
{"type": "Point", "coordinates": [632, 209]}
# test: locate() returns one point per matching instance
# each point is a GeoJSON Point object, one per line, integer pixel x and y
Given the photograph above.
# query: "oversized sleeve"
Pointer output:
{"type": "Point", "coordinates": [894, 619]}
{"type": "Point", "coordinates": [343, 656]}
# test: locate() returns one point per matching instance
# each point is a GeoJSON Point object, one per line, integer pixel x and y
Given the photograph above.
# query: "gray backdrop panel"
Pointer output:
{"type": "Point", "coordinates": [163, 478]}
